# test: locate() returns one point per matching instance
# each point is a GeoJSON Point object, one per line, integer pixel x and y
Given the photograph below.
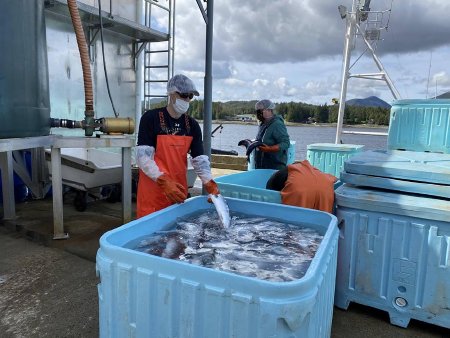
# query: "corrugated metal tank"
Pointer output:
{"type": "Point", "coordinates": [24, 87]}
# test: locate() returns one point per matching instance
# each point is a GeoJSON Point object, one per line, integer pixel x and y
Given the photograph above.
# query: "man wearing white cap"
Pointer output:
{"type": "Point", "coordinates": [166, 135]}
{"type": "Point", "coordinates": [273, 134]}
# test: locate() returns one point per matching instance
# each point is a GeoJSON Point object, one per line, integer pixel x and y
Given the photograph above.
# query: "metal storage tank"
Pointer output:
{"type": "Point", "coordinates": [24, 87]}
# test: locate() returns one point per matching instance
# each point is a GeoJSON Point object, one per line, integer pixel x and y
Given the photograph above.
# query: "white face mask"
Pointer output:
{"type": "Point", "coordinates": [180, 106]}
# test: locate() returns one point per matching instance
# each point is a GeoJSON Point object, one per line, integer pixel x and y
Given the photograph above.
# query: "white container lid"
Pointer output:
{"type": "Point", "coordinates": [335, 147]}
{"type": "Point", "coordinates": [392, 202]}
{"type": "Point", "coordinates": [415, 166]}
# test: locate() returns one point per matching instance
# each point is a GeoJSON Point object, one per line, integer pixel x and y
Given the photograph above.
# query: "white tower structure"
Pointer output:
{"type": "Point", "coordinates": [364, 24]}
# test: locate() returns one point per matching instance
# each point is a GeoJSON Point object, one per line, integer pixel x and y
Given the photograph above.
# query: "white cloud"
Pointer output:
{"type": "Point", "coordinates": [291, 92]}
{"type": "Point", "coordinates": [235, 82]}
{"type": "Point", "coordinates": [281, 83]}
{"type": "Point", "coordinates": [442, 78]}
{"type": "Point", "coordinates": [292, 50]}
{"type": "Point", "coordinates": [260, 83]}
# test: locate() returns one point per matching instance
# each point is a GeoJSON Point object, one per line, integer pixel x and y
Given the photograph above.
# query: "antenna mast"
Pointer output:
{"type": "Point", "coordinates": [366, 24]}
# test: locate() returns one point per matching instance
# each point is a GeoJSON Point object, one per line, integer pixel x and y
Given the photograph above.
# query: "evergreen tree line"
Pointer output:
{"type": "Point", "coordinates": [297, 112]}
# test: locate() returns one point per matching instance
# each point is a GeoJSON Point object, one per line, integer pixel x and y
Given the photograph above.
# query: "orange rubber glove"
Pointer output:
{"type": "Point", "coordinates": [174, 191]}
{"type": "Point", "coordinates": [212, 189]}
{"type": "Point", "coordinates": [269, 149]}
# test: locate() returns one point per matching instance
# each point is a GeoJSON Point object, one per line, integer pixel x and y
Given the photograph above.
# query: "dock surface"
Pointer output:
{"type": "Point", "coordinates": [48, 288]}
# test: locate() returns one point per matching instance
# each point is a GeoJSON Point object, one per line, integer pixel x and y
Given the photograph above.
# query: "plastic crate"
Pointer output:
{"type": "Point", "coordinates": [291, 153]}
{"type": "Point", "coordinates": [141, 295]}
{"type": "Point", "coordinates": [394, 254]}
{"type": "Point", "coordinates": [249, 185]}
{"type": "Point", "coordinates": [329, 157]}
{"type": "Point", "coordinates": [420, 125]}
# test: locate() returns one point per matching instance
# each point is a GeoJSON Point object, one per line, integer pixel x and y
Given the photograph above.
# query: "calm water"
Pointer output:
{"type": "Point", "coordinates": [251, 246]}
{"type": "Point", "coordinates": [231, 134]}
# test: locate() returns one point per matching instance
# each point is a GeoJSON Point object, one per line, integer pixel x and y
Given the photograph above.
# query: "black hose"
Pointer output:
{"type": "Point", "coordinates": [103, 55]}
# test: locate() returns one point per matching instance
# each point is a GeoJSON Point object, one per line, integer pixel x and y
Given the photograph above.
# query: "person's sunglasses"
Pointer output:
{"type": "Point", "coordinates": [186, 95]}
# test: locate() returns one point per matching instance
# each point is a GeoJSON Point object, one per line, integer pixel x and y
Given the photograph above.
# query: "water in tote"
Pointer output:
{"type": "Point", "coordinates": [251, 246]}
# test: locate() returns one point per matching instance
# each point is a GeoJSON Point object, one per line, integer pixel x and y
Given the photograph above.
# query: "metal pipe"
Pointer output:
{"type": "Point", "coordinates": [64, 123]}
{"type": "Point", "coordinates": [199, 4]}
{"type": "Point", "coordinates": [116, 125]}
{"type": "Point", "coordinates": [108, 125]}
{"type": "Point", "coordinates": [350, 20]}
{"type": "Point", "coordinates": [172, 6]}
{"type": "Point", "coordinates": [207, 112]}
{"type": "Point", "coordinates": [140, 4]}
{"type": "Point", "coordinates": [388, 80]}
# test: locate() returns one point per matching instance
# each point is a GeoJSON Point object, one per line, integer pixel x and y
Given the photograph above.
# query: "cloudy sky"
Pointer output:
{"type": "Point", "coordinates": [291, 50]}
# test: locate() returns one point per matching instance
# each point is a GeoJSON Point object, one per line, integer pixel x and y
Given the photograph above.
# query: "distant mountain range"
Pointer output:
{"type": "Point", "coordinates": [157, 100]}
{"type": "Point", "coordinates": [371, 101]}
{"type": "Point", "coordinates": [444, 96]}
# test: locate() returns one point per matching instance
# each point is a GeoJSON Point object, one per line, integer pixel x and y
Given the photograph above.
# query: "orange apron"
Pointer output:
{"type": "Point", "coordinates": [171, 158]}
{"type": "Point", "coordinates": [308, 187]}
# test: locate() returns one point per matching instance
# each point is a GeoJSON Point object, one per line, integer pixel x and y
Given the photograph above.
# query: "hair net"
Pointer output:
{"type": "Point", "coordinates": [264, 104]}
{"type": "Point", "coordinates": [182, 84]}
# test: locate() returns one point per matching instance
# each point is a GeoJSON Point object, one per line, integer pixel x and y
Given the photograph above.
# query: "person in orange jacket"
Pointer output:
{"type": "Point", "coordinates": [166, 136]}
{"type": "Point", "coordinates": [302, 185]}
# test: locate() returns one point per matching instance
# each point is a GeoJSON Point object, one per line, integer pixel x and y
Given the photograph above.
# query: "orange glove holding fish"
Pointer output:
{"type": "Point", "coordinates": [212, 188]}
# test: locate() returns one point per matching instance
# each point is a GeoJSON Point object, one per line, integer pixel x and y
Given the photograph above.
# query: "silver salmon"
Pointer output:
{"type": "Point", "coordinates": [222, 209]}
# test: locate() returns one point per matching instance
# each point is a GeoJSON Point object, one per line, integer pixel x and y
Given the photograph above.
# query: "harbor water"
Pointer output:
{"type": "Point", "coordinates": [231, 134]}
